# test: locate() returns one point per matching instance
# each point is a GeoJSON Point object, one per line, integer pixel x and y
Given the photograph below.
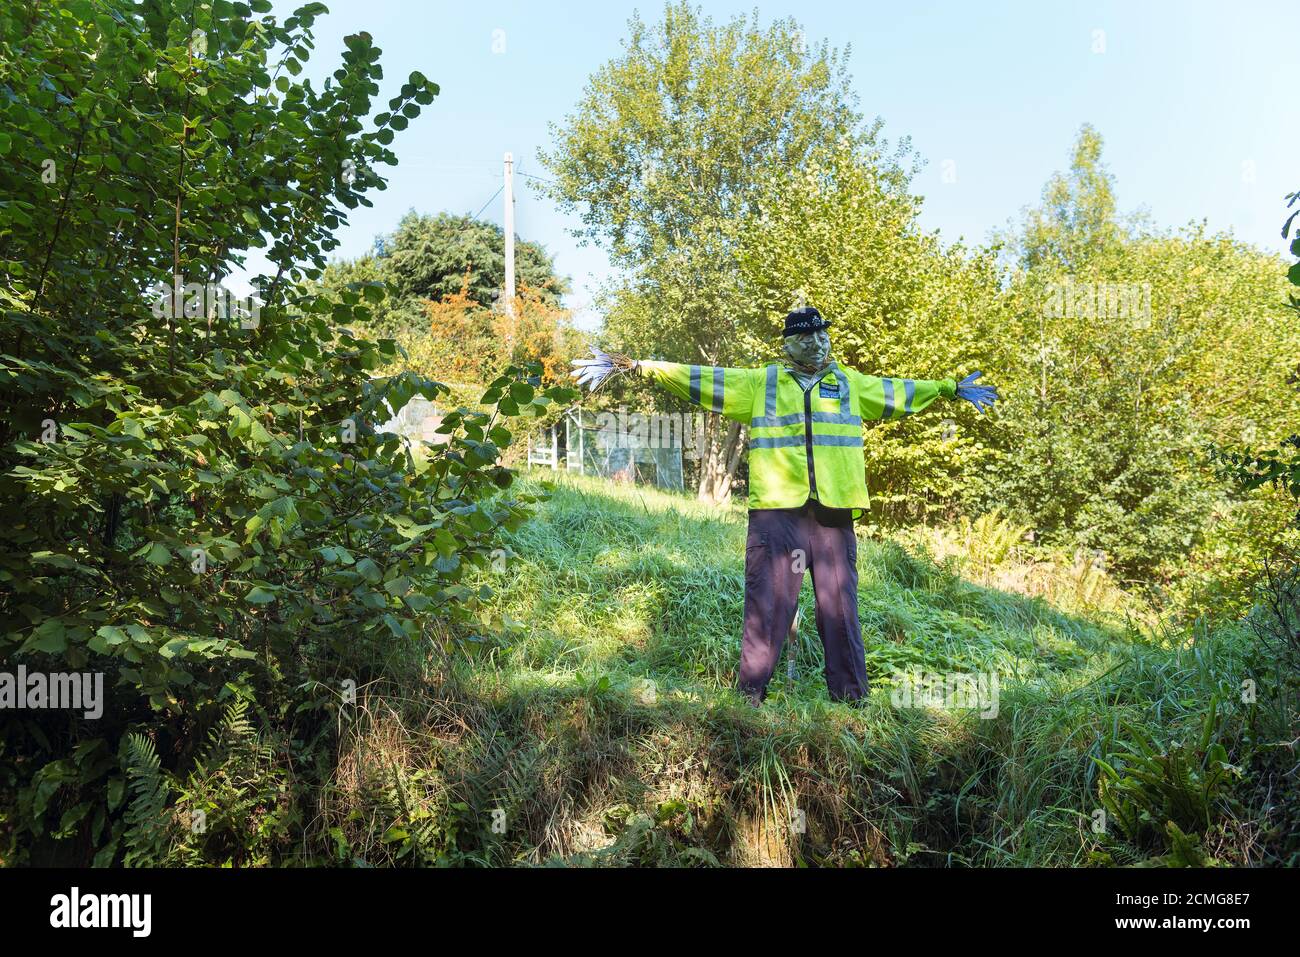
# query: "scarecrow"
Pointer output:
{"type": "Point", "coordinates": [807, 483]}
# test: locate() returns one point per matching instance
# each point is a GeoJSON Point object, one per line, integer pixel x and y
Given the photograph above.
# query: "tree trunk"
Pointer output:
{"type": "Point", "coordinates": [719, 459]}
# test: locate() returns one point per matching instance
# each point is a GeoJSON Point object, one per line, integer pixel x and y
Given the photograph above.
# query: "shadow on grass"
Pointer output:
{"type": "Point", "coordinates": [553, 737]}
{"type": "Point", "coordinates": [608, 583]}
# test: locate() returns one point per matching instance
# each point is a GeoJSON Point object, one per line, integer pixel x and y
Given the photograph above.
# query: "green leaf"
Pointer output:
{"type": "Point", "coordinates": [49, 636]}
{"type": "Point", "coordinates": [158, 554]}
{"type": "Point", "coordinates": [369, 571]}
{"type": "Point", "coordinates": [257, 595]}
{"type": "Point", "coordinates": [111, 634]}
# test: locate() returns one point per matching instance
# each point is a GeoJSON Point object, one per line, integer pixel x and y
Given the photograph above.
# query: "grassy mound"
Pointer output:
{"type": "Point", "coordinates": [605, 731]}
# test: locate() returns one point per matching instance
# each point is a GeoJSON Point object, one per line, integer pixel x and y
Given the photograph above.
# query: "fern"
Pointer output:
{"type": "Point", "coordinates": [1167, 795]}
{"type": "Point", "coordinates": [147, 839]}
{"type": "Point", "coordinates": [419, 829]}
{"type": "Point", "coordinates": [228, 736]}
{"type": "Point", "coordinates": [234, 781]}
{"type": "Point", "coordinates": [991, 539]}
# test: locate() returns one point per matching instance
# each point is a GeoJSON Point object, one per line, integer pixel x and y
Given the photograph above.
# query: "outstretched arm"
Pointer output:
{"type": "Point", "coordinates": [893, 398]}
{"type": "Point", "coordinates": [729, 392]}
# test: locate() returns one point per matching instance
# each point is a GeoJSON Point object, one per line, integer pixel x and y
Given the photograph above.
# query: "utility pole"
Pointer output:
{"type": "Point", "coordinates": [510, 234]}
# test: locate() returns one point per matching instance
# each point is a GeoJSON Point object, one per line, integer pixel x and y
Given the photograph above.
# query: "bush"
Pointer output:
{"type": "Point", "coordinates": [196, 501]}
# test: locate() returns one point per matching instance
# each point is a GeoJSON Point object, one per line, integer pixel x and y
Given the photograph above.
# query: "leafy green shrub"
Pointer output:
{"type": "Point", "coordinates": [1133, 350]}
{"type": "Point", "coordinates": [1154, 794]}
{"type": "Point", "coordinates": [200, 509]}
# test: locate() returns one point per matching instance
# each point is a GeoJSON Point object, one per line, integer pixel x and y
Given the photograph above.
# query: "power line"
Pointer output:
{"type": "Point", "coordinates": [539, 179]}
{"type": "Point", "coordinates": [490, 198]}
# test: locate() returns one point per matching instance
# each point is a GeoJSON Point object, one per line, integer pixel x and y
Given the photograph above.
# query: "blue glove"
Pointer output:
{"type": "Point", "coordinates": [596, 371]}
{"type": "Point", "coordinates": [980, 396]}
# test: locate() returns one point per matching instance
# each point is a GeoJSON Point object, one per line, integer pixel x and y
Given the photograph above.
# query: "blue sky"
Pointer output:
{"type": "Point", "coordinates": [1194, 100]}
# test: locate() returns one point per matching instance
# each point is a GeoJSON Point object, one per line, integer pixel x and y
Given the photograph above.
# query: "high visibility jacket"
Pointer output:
{"type": "Point", "coordinates": [803, 443]}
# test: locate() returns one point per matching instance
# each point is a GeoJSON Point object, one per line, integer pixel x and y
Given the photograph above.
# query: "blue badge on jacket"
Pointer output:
{"type": "Point", "coordinates": [830, 390]}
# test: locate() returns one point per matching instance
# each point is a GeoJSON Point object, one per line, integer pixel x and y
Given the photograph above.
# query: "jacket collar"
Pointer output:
{"type": "Point", "coordinates": [831, 368]}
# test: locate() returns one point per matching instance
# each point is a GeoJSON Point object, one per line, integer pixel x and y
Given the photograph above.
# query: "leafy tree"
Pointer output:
{"type": "Point", "coordinates": [1077, 222]}
{"type": "Point", "coordinates": [1132, 351]}
{"type": "Point", "coordinates": [662, 160]}
{"type": "Point", "coordinates": [196, 502]}
{"type": "Point", "coordinates": [466, 344]}
{"type": "Point", "coordinates": [432, 257]}
{"type": "Point", "coordinates": [843, 234]}
{"type": "Point", "coordinates": [1278, 468]}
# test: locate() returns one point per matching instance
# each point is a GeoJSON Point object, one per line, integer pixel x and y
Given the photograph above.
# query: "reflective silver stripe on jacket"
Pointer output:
{"type": "Point", "coordinates": [785, 441]}
{"type": "Point", "coordinates": [854, 441]}
{"type": "Point", "coordinates": [775, 441]}
{"type": "Point", "coordinates": [719, 376]}
{"type": "Point", "coordinates": [770, 419]}
{"type": "Point", "coordinates": [909, 393]}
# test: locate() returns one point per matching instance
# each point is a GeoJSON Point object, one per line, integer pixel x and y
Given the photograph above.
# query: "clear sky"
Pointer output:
{"type": "Point", "coordinates": [1195, 101]}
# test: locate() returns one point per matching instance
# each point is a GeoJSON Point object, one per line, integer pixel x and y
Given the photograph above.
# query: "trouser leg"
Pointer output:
{"type": "Point", "coordinates": [834, 566]}
{"type": "Point", "coordinates": [773, 575]}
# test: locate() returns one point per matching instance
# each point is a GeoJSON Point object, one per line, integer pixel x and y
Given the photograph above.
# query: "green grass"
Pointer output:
{"type": "Point", "coordinates": [611, 587]}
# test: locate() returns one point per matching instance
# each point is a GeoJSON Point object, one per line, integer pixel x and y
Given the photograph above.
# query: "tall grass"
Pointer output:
{"type": "Point", "coordinates": [603, 729]}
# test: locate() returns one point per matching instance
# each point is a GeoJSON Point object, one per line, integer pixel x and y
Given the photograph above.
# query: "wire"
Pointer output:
{"type": "Point", "coordinates": [520, 174]}
{"type": "Point", "coordinates": [490, 198]}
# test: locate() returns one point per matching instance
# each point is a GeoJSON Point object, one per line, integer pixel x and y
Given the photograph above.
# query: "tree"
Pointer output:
{"type": "Point", "coordinates": [1076, 224]}
{"type": "Point", "coordinates": [1133, 350]}
{"type": "Point", "coordinates": [466, 344]}
{"type": "Point", "coordinates": [843, 234]}
{"type": "Point", "coordinates": [196, 500]}
{"type": "Point", "coordinates": [431, 257]}
{"type": "Point", "coordinates": [662, 160]}
{"type": "Point", "coordinates": [1253, 468]}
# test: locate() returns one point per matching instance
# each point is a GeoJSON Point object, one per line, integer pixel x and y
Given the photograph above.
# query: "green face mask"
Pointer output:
{"type": "Point", "coordinates": [809, 351]}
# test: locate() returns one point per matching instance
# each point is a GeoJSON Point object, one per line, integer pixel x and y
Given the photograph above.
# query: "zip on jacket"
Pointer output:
{"type": "Point", "coordinates": [808, 434]}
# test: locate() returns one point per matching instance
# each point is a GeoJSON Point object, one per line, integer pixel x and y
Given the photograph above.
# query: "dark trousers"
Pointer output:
{"type": "Point", "coordinates": [781, 543]}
